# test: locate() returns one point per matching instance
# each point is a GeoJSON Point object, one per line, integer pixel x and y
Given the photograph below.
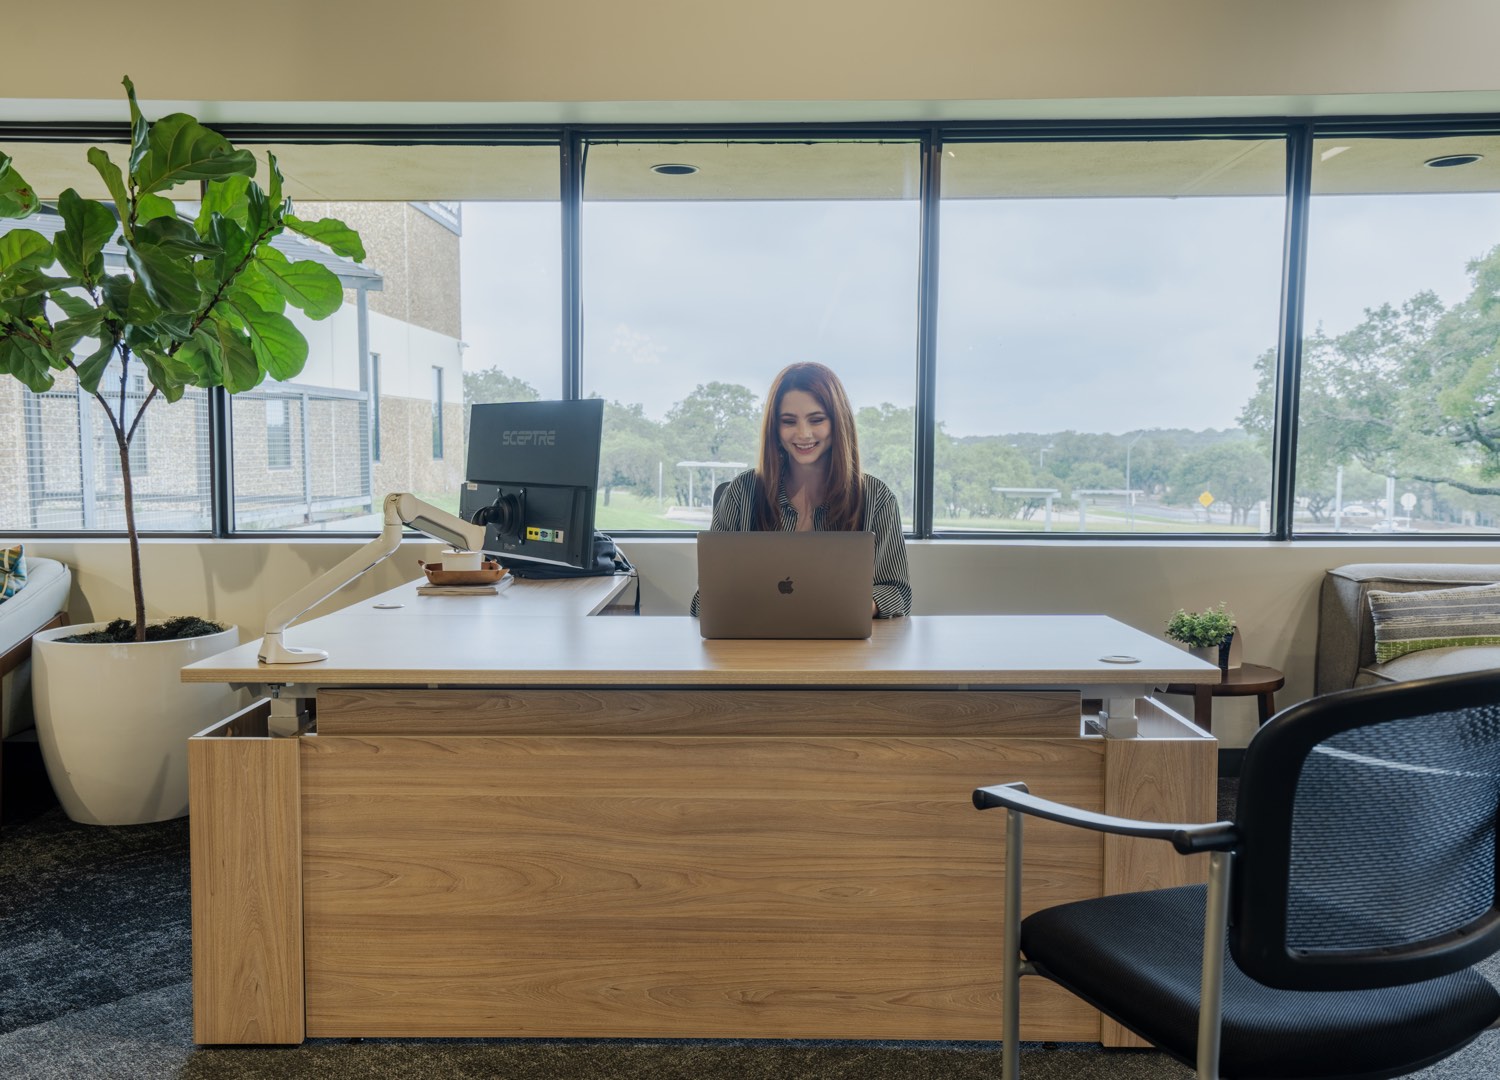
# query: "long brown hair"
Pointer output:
{"type": "Point", "coordinates": [844, 494]}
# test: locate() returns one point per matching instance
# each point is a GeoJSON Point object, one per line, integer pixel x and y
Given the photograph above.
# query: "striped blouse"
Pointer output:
{"type": "Point", "coordinates": [734, 511]}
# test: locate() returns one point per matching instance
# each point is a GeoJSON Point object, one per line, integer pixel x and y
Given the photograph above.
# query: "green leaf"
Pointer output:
{"type": "Point", "coordinates": [27, 281]}
{"type": "Point", "coordinates": [254, 284]}
{"type": "Point", "coordinates": [278, 345]}
{"type": "Point", "coordinates": [17, 199]}
{"type": "Point", "coordinates": [70, 332]}
{"type": "Point", "coordinates": [110, 172]}
{"type": "Point", "coordinates": [27, 361]}
{"type": "Point", "coordinates": [22, 248]}
{"type": "Point", "coordinates": [274, 195]}
{"type": "Point", "coordinates": [73, 305]}
{"type": "Point", "coordinates": [139, 133]}
{"type": "Point", "coordinates": [162, 374]}
{"type": "Point", "coordinates": [167, 278]}
{"type": "Point", "coordinates": [309, 286]}
{"type": "Point", "coordinates": [182, 149]}
{"type": "Point", "coordinates": [335, 234]}
{"type": "Point", "coordinates": [239, 366]}
{"type": "Point", "coordinates": [234, 243]}
{"type": "Point", "coordinates": [200, 359]}
{"type": "Point", "coordinates": [87, 227]}
{"type": "Point", "coordinates": [225, 197]}
{"type": "Point", "coordinates": [92, 369]}
{"type": "Point", "coordinates": [173, 236]}
{"type": "Point", "coordinates": [258, 212]}
{"type": "Point", "coordinates": [150, 207]}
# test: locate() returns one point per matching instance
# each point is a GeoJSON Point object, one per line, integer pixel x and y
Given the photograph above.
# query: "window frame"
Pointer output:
{"type": "Point", "coordinates": [1299, 134]}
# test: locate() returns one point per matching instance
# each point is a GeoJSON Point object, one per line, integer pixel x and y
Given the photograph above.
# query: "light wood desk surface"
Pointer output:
{"type": "Point", "coordinates": [530, 635]}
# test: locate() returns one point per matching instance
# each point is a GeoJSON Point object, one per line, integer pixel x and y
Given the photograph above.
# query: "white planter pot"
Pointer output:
{"type": "Point", "coordinates": [113, 722]}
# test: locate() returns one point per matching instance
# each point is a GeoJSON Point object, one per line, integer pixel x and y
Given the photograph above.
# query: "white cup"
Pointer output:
{"type": "Point", "coordinates": [462, 560]}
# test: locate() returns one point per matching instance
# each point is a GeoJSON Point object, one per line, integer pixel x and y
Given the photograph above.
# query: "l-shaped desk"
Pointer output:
{"type": "Point", "coordinates": [512, 820]}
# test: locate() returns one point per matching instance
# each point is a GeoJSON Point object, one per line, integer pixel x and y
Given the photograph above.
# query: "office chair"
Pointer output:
{"type": "Point", "coordinates": [1363, 849]}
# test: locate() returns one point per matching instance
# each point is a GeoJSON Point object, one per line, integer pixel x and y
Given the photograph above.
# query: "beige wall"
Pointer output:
{"type": "Point", "coordinates": [1272, 588]}
{"type": "Point", "coordinates": [878, 53]}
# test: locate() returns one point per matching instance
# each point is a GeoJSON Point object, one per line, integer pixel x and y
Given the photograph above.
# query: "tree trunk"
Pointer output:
{"type": "Point", "coordinates": [133, 536]}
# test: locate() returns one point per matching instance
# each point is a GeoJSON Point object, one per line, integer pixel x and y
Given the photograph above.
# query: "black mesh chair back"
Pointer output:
{"type": "Point", "coordinates": [1368, 837]}
{"type": "Point", "coordinates": [1355, 890]}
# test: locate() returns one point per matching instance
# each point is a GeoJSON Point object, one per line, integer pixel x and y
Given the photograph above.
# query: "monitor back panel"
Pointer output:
{"type": "Point", "coordinates": [785, 584]}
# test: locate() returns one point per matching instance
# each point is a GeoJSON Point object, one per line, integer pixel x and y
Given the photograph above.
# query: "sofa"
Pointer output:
{"type": "Point", "coordinates": [41, 604]}
{"type": "Point", "coordinates": [1346, 627]}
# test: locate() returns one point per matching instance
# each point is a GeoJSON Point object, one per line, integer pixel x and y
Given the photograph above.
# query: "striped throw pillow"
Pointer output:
{"type": "Point", "coordinates": [12, 571]}
{"type": "Point", "coordinates": [1407, 622]}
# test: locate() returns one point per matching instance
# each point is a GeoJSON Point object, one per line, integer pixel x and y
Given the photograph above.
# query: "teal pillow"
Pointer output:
{"type": "Point", "coordinates": [12, 571]}
{"type": "Point", "coordinates": [1407, 622]}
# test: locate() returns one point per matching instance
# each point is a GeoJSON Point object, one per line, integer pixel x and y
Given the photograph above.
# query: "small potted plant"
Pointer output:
{"type": "Point", "coordinates": [1207, 634]}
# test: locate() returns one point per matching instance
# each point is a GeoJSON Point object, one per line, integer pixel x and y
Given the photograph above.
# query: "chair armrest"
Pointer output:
{"type": "Point", "coordinates": [1187, 839]}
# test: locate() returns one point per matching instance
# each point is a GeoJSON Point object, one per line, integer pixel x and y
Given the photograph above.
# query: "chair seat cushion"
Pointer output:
{"type": "Point", "coordinates": [1138, 958]}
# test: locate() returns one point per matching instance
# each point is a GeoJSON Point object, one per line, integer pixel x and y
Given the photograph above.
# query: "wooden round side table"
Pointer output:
{"type": "Point", "coordinates": [1244, 681]}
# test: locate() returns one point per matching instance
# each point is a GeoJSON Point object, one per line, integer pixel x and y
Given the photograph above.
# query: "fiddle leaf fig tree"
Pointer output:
{"type": "Point", "coordinates": [200, 301]}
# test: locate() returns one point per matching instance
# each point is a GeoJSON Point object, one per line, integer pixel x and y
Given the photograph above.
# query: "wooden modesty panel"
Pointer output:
{"type": "Point", "coordinates": [771, 886]}
{"type": "Point", "coordinates": [569, 711]}
{"type": "Point", "coordinates": [246, 840]}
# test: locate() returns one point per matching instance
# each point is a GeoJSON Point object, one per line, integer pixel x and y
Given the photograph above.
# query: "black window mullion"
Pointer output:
{"type": "Point", "coordinates": [929, 196]}
{"type": "Point", "coordinates": [1289, 348]}
{"type": "Point", "coordinates": [571, 159]}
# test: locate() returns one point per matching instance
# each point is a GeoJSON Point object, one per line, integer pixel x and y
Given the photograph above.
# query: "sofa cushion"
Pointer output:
{"type": "Point", "coordinates": [12, 571]}
{"type": "Point", "coordinates": [1430, 663]}
{"type": "Point", "coordinates": [1407, 622]}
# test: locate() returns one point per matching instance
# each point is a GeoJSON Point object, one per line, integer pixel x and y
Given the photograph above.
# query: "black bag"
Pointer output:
{"type": "Point", "coordinates": [608, 559]}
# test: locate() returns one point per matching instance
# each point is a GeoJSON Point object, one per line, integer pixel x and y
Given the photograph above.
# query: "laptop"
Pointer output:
{"type": "Point", "coordinates": [785, 584]}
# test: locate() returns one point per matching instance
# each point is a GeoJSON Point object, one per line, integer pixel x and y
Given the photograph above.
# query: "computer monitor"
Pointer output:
{"type": "Point", "coordinates": [532, 476]}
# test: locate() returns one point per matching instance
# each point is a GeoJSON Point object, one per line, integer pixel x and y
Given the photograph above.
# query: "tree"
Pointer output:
{"type": "Point", "coordinates": [716, 422]}
{"type": "Point", "coordinates": [491, 385]}
{"type": "Point", "coordinates": [633, 450]}
{"type": "Point", "coordinates": [201, 302]}
{"type": "Point", "coordinates": [1411, 391]}
{"type": "Point", "coordinates": [1235, 472]}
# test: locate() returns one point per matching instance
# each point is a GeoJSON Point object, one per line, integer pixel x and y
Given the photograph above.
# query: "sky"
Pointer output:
{"type": "Point", "coordinates": [1103, 315]}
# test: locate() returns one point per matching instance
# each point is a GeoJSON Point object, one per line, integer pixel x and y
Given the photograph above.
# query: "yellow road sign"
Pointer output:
{"type": "Point", "coordinates": [1206, 500]}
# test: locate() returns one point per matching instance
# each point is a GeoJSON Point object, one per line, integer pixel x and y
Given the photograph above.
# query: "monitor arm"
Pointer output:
{"type": "Point", "coordinates": [401, 509]}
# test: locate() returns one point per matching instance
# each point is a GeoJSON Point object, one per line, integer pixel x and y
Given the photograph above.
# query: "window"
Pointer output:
{"type": "Point", "coordinates": [1397, 430]}
{"type": "Point", "coordinates": [375, 406]}
{"type": "Point", "coordinates": [278, 435]}
{"type": "Point", "coordinates": [1083, 319]}
{"type": "Point", "coordinates": [461, 275]}
{"type": "Point", "coordinates": [437, 412]}
{"type": "Point", "coordinates": [1103, 305]}
{"type": "Point", "coordinates": [699, 286]}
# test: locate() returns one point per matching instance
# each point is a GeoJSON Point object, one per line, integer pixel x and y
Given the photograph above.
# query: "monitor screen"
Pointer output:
{"type": "Point", "coordinates": [532, 476]}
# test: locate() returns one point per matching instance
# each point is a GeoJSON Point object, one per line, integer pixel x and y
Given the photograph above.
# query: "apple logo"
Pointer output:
{"type": "Point", "coordinates": [785, 587]}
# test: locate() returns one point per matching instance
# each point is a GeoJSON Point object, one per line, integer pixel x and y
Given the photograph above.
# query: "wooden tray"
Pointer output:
{"type": "Point", "coordinates": [436, 575]}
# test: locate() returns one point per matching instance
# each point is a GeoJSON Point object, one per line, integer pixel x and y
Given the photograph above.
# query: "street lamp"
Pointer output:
{"type": "Point", "coordinates": [1130, 491]}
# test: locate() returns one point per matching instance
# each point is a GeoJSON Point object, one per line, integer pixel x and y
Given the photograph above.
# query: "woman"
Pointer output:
{"type": "Point", "coordinates": [808, 478]}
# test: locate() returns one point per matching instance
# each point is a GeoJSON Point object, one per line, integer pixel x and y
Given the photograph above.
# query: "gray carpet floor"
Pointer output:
{"type": "Point", "coordinates": [95, 983]}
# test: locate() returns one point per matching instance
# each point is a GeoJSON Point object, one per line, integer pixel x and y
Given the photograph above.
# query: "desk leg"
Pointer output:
{"type": "Point", "coordinates": [1267, 703]}
{"type": "Point", "coordinates": [1203, 706]}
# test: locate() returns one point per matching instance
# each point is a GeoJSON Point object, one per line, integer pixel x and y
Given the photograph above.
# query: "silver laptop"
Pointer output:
{"type": "Point", "coordinates": [785, 584]}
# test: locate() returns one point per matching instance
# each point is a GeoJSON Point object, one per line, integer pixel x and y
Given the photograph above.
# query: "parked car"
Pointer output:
{"type": "Point", "coordinates": [1355, 511]}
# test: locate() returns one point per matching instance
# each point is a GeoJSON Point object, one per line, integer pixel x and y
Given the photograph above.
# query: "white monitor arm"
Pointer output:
{"type": "Point", "coordinates": [401, 509]}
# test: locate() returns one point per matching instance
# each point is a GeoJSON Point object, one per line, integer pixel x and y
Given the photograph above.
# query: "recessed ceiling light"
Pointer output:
{"type": "Point", "coordinates": [1332, 151]}
{"type": "Point", "coordinates": [1448, 161]}
{"type": "Point", "coordinates": [670, 169]}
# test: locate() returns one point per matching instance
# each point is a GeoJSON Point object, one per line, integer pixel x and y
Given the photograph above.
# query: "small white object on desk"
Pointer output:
{"type": "Point", "coordinates": [454, 559]}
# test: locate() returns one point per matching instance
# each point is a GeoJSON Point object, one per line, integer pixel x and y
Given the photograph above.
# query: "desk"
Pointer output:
{"type": "Point", "coordinates": [1247, 680]}
{"type": "Point", "coordinates": [573, 827]}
